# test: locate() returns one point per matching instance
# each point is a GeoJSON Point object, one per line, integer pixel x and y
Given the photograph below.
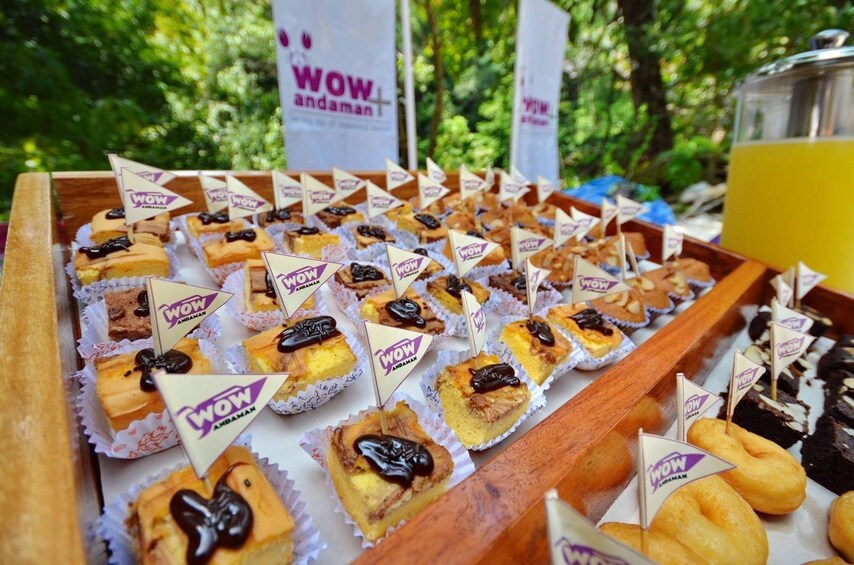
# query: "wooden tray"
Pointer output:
{"type": "Point", "coordinates": [585, 449]}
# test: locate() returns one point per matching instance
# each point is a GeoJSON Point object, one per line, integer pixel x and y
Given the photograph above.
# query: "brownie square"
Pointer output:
{"type": "Point", "coordinates": [334, 216]}
{"type": "Point", "coordinates": [828, 455]}
{"type": "Point", "coordinates": [127, 314]}
{"type": "Point", "coordinates": [783, 421]}
{"type": "Point", "coordinates": [837, 364]}
{"type": "Point", "coordinates": [789, 380]}
{"type": "Point", "coordinates": [841, 407]}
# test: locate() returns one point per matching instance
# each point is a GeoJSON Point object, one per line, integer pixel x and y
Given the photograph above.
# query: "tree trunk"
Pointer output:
{"type": "Point", "coordinates": [477, 24]}
{"type": "Point", "coordinates": [647, 85]}
{"type": "Point", "coordinates": [439, 77]}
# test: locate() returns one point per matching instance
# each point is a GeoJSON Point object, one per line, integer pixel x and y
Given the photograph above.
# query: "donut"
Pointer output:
{"type": "Point", "coordinates": [663, 549]}
{"type": "Point", "coordinates": [840, 528]}
{"type": "Point", "coordinates": [708, 516]}
{"type": "Point", "coordinates": [768, 478]}
{"type": "Point", "coordinates": [835, 560]}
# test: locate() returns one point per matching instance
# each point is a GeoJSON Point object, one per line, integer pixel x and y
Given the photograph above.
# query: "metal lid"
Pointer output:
{"type": "Point", "coordinates": [826, 48]}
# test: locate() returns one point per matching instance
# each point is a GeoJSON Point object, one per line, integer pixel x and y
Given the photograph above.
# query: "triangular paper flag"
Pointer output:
{"type": "Point", "coordinates": [395, 175]}
{"type": "Point", "coordinates": [589, 282]}
{"type": "Point", "coordinates": [609, 212]}
{"type": "Point", "coordinates": [216, 195]}
{"type": "Point", "coordinates": [470, 183]}
{"type": "Point", "coordinates": [243, 201]}
{"type": "Point", "coordinates": [790, 277]}
{"type": "Point", "coordinates": [666, 465]}
{"type": "Point", "coordinates": [565, 227]}
{"type": "Point", "coordinates": [153, 174]}
{"type": "Point", "coordinates": [524, 243]}
{"type": "Point", "coordinates": [509, 188]}
{"type": "Point", "coordinates": [621, 254]}
{"type": "Point", "coordinates": [405, 267]}
{"type": "Point", "coordinates": [380, 201]}
{"type": "Point", "coordinates": [435, 172]}
{"type": "Point", "coordinates": [468, 250]}
{"type": "Point", "coordinates": [575, 541]}
{"type": "Point", "coordinates": [210, 411]}
{"type": "Point", "coordinates": [628, 209]}
{"type": "Point", "coordinates": [545, 188]}
{"type": "Point", "coordinates": [315, 195]}
{"type": "Point", "coordinates": [586, 222]}
{"type": "Point", "coordinates": [691, 402]}
{"type": "Point", "coordinates": [287, 191]}
{"type": "Point", "coordinates": [533, 277]}
{"type": "Point", "coordinates": [671, 243]}
{"type": "Point", "coordinates": [784, 291]}
{"type": "Point", "coordinates": [145, 199]}
{"type": "Point", "coordinates": [787, 346]}
{"type": "Point", "coordinates": [345, 183]}
{"type": "Point", "coordinates": [394, 353]}
{"type": "Point", "coordinates": [429, 191]}
{"type": "Point", "coordinates": [177, 308]}
{"type": "Point", "coordinates": [633, 260]}
{"type": "Point", "coordinates": [489, 177]}
{"type": "Point", "coordinates": [475, 322]}
{"type": "Point", "coordinates": [518, 176]}
{"type": "Point", "coordinates": [745, 374]}
{"type": "Point", "coordinates": [790, 318]}
{"type": "Point", "coordinates": [296, 278]}
{"type": "Point", "coordinates": [807, 280]}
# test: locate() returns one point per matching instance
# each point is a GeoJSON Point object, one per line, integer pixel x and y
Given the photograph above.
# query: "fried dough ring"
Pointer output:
{"type": "Point", "coordinates": [663, 549]}
{"type": "Point", "coordinates": [708, 516]}
{"type": "Point", "coordinates": [766, 475]}
{"type": "Point", "coordinates": [840, 528]}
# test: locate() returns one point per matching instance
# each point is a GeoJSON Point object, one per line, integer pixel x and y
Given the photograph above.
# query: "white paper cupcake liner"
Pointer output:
{"type": "Point", "coordinates": [698, 285]}
{"type": "Point", "coordinates": [344, 296]}
{"type": "Point", "coordinates": [588, 362]}
{"type": "Point", "coordinates": [446, 358]}
{"type": "Point", "coordinates": [91, 293]}
{"type": "Point", "coordinates": [502, 350]}
{"type": "Point", "coordinates": [678, 298]}
{"type": "Point", "coordinates": [262, 320]}
{"type": "Point", "coordinates": [506, 304]}
{"type": "Point", "coordinates": [95, 342]}
{"type": "Point", "coordinates": [152, 434]}
{"type": "Point", "coordinates": [83, 238]}
{"type": "Point", "coordinates": [315, 394]}
{"type": "Point", "coordinates": [112, 525]}
{"type": "Point", "coordinates": [317, 442]}
{"type": "Point", "coordinates": [653, 312]}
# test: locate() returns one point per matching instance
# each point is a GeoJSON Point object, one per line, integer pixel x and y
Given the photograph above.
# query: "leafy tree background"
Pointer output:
{"type": "Point", "coordinates": [189, 84]}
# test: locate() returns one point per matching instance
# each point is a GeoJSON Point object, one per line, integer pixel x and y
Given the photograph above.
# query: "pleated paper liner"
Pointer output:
{"type": "Point", "coordinates": [590, 363]}
{"type": "Point", "coordinates": [113, 527]}
{"type": "Point", "coordinates": [626, 326]}
{"type": "Point", "coordinates": [261, 320]}
{"type": "Point", "coordinates": [317, 443]}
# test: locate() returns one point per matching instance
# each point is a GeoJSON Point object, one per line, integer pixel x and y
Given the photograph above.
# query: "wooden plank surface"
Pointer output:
{"type": "Point", "coordinates": [37, 493]}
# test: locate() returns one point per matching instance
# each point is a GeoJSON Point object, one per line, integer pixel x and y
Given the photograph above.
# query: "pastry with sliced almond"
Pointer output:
{"type": "Point", "coordinates": [626, 309]}
{"type": "Point", "coordinates": [673, 281]}
{"type": "Point", "coordinates": [654, 298]}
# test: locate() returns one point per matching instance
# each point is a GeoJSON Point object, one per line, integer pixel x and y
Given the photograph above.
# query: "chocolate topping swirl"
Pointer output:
{"type": "Point", "coordinates": [520, 283]}
{"type": "Point", "coordinates": [225, 520]}
{"type": "Point", "coordinates": [339, 210]}
{"type": "Point", "coordinates": [245, 235]}
{"type": "Point", "coordinates": [541, 331]}
{"type": "Point", "coordinates": [307, 230]}
{"type": "Point", "coordinates": [218, 218]}
{"type": "Point", "coordinates": [143, 309]}
{"type": "Point", "coordinates": [268, 282]}
{"type": "Point", "coordinates": [278, 214]}
{"type": "Point", "coordinates": [429, 221]}
{"type": "Point", "coordinates": [115, 214]}
{"type": "Point", "coordinates": [371, 231]}
{"type": "Point", "coordinates": [307, 332]}
{"type": "Point", "coordinates": [590, 319]}
{"type": "Point", "coordinates": [455, 286]}
{"type": "Point", "coordinates": [493, 377]}
{"type": "Point", "coordinates": [173, 361]}
{"type": "Point", "coordinates": [421, 251]}
{"type": "Point", "coordinates": [406, 312]}
{"type": "Point", "coordinates": [362, 273]}
{"type": "Point", "coordinates": [100, 251]}
{"type": "Point", "coordinates": [395, 459]}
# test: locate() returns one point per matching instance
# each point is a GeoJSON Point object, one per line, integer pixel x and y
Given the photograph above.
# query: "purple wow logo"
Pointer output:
{"type": "Point", "coordinates": [245, 202]}
{"type": "Point", "coordinates": [186, 308]}
{"type": "Point", "coordinates": [578, 554]}
{"type": "Point", "coordinates": [408, 266]}
{"type": "Point", "coordinates": [398, 176]}
{"type": "Point", "coordinates": [382, 202]}
{"type": "Point", "coordinates": [290, 190]}
{"type": "Point", "coordinates": [745, 378]}
{"type": "Point", "coordinates": [320, 196]}
{"type": "Point", "coordinates": [151, 199]}
{"type": "Point", "coordinates": [397, 354]}
{"type": "Point", "coordinates": [596, 284]}
{"type": "Point", "coordinates": [216, 194]}
{"type": "Point", "coordinates": [790, 347]}
{"type": "Point", "coordinates": [432, 190]}
{"type": "Point", "coordinates": [531, 244]}
{"type": "Point", "coordinates": [301, 278]}
{"type": "Point", "coordinates": [471, 251]}
{"type": "Point", "coordinates": [694, 403]}
{"type": "Point", "coordinates": [671, 467]}
{"type": "Point", "coordinates": [794, 322]}
{"type": "Point", "coordinates": [207, 414]}
{"type": "Point", "coordinates": [478, 319]}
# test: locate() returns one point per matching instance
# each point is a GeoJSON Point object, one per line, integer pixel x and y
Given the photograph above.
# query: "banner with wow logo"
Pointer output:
{"type": "Point", "coordinates": [144, 199]}
{"type": "Point", "coordinates": [395, 175]}
{"type": "Point", "coordinates": [429, 191]}
{"type": "Point", "coordinates": [405, 267]}
{"type": "Point", "coordinates": [573, 540]}
{"type": "Point", "coordinates": [586, 222]}
{"type": "Point", "coordinates": [242, 200]}
{"type": "Point", "coordinates": [435, 172]}
{"type": "Point", "coordinates": [785, 294]}
{"type": "Point", "coordinates": [177, 308]}
{"type": "Point", "coordinates": [287, 191]}
{"type": "Point", "coordinates": [337, 82]}
{"type": "Point", "coordinates": [470, 183]}
{"type": "Point", "coordinates": [524, 243]}
{"type": "Point", "coordinates": [296, 278]}
{"type": "Point", "coordinates": [210, 411]}
{"type": "Point", "coordinates": [692, 401]}
{"type": "Point", "coordinates": [545, 188]}
{"type": "Point", "coordinates": [533, 277]}
{"type": "Point", "coordinates": [380, 201]}
{"type": "Point", "coordinates": [745, 374]}
{"type": "Point", "coordinates": [468, 250]}
{"type": "Point", "coordinates": [671, 243]}
{"type": "Point", "coordinates": [628, 209]}
{"type": "Point", "coordinates": [790, 318]}
{"type": "Point", "coordinates": [565, 227]}
{"type": "Point", "coordinates": [475, 322]}
{"type": "Point", "coordinates": [807, 280]}
{"type": "Point", "coordinates": [216, 195]}
{"type": "Point", "coordinates": [345, 183]}
{"type": "Point", "coordinates": [509, 187]}
{"type": "Point", "coordinates": [315, 195]}
{"type": "Point", "coordinates": [609, 212]}
{"type": "Point", "coordinates": [787, 346]}
{"type": "Point", "coordinates": [153, 174]}
{"type": "Point", "coordinates": [395, 352]}
{"type": "Point", "coordinates": [589, 282]}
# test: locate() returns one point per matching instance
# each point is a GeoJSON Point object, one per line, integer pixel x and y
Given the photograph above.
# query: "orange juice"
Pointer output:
{"type": "Point", "coordinates": [793, 200]}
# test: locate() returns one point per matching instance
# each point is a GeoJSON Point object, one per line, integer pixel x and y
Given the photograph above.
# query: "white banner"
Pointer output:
{"type": "Point", "coordinates": [475, 322]}
{"type": "Point", "coordinates": [745, 374]}
{"type": "Point", "coordinates": [429, 191]}
{"type": "Point", "coordinates": [315, 195]}
{"type": "Point", "coordinates": [510, 188]}
{"type": "Point", "coordinates": [628, 209]}
{"type": "Point", "coordinates": [177, 308]}
{"type": "Point", "coordinates": [609, 212]}
{"type": "Point", "coordinates": [807, 280]}
{"type": "Point", "coordinates": [380, 201]}
{"type": "Point", "coordinates": [468, 250]}
{"type": "Point", "coordinates": [586, 222]}
{"type": "Point", "coordinates": [565, 227]}
{"type": "Point", "coordinates": [337, 82]}
{"type": "Point", "coordinates": [394, 353]}
{"type": "Point", "coordinates": [145, 199]}
{"type": "Point", "coordinates": [243, 201]}
{"type": "Point", "coordinates": [787, 346]}
{"type": "Point", "coordinates": [405, 267]}
{"type": "Point", "coordinates": [790, 318]}
{"type": "Point", "coordinates": [545, 188]}
{"type": "Point", "coordinates": [435, 172]}
{"type": "Point", "coordinates": [287, 191]}
{"type": "Point", "coordinates": [589, 282]}
{"type": "Point", "coordinates": [692, 401]}
{"type": "Point", "coordinates": [395, 175]}
{"type": "Point", "coordinates": [470, 183]}
{"type": "Point", "coordinates": [671, 243]}
{"type": "Point", "coordinates": [345, 183]}
{"type": "Point", "coordinates": [296, 278]}
{"type": "Point", "coordinates": [541, 38]}
{"type": "Point", "coordinates": [533, 277]}
{"type": "Point", "coordinates": [155, 175]}
{"type": "Point", "coordinates": [524, 243]}
{"type": "Point", "coordinates": [785, 294]}
{"type": "Point", "coordinates": [216, 195]}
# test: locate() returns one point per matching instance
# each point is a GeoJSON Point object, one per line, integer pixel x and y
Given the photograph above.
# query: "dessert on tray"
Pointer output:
{"type": "Point", "coordinates": [309, 241]}
{"type": "Point", "coordinates": [128, 315]}
{"type": "Point", "coordinates": [110, 224]}
{"type": "Point", "coordinates": [537, 347]}
{"type": "Point", "coordinates": [368, 234]}
{"type": "Point", "coordinates": [334, 216]}
{"type": "Point", "coordinates": [598, 336]}
{"type": "Point", "coordinates": [119, 258]}
{"type": "Point", "coordinates": [204, 223]}
{"type": "Point", "coordinates": [361, 278]}
{"type": "Point", "coordinates": [237, 247]}
{"type": "Point", "coordinates": [259, 293]}
{"type": "Point", "coordinates": [427, 227]}
{"type": "Point", "coordinates": [409, 311]}
{"type": "Point", "coordinates": [447, 290]}
{"type": "Point", "coordinates": [281, 215]}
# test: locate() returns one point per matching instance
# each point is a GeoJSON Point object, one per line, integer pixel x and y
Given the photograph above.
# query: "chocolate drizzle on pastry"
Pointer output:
{"type": "Point", "coordinates": [493, 377]}
{"type": "Point", "coordinates": [395, 459]}
{"type": "Point", "coordinates": [590, 319]}
{"type": "Point", "coordinates": [428, 220]}
{"type": "Point", "coordinates": [268, 282]}
{"type": "Point", "coordinates": [278, 214]}
{"type": "Point", "coordinates": [100, 251]}
{"type": "Point", "coordinates": [476, 234]}
{"type": "Point", "coordinates": [362, 273]}
{"type": "Point", "coordinates": [375, 232]}
{"type": "Point", "coordinates": [225, 520]}
{"type": "Point", "coordinates": [309, 331]}
{"type": "Point", "coordinates": [245, 235]}
{"type": "Point", "coordinates": [407, 312]}
{"type": "Point", "coordinates": [115, 214]}
{"type": "Point", "coordinates": [142, 310]}
{"type": "Point", "coordinates": [339, 210]}
{"type": "Point", "coordinates": [456, 286]}
{"type": "Point", "coordinates": [421, 251]}
{"type": "Point", "coordinates": [541, 331]}
{"type": "Point", "coordinates": [218, 218]}
{"type": "Point", "coordinates": [520, 283]}
{"type": "Point", "coordinates": [173, 361]}
{"type": "Point", "coordinates": [307, 230]}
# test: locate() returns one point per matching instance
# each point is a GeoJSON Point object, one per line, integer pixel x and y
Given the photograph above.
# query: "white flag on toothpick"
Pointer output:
{"type": "Point", "coordinates": [395, 175]}
{"type": "Point", "coordinates": [475, 322]}
{"type": "Point", "coordinates": [296, 278]}
{"type": "Point", "coordinates": [243, 201]}
{"type": "Point", "coordinates": [784, 291]}
{"type": "Point", "coordinates": [153, 174]}
{"type": "Point", "coordinates": [787, 346]}
{"type": "Point", "coordinates": [671, 243]}
{"type": "Point", "coordinates": [586, 222]}
{"type": "Point", "coordinates": [509, 188]}
{"type": "Point", "coordinates": [468, 250]}
{"type": "Point", "coordinates": [380, 201]}
{"type": "Point", "coordinates": [177, 308]}
{"type": "Point", "coordinates": [628, 209]}
{"type": "Point", "coordinates": [287, 191]}
{"type": "Point", "coordinates": [405, 267]}
{"type": "Point", "coordinates": [345, 183]}
{"type": "Point", "coordinates": [489, 176]}
{"type": "Point", "coordinates": [435, 172]}
{"type": "Point", "coordinates": [144, 199]}
{"type": "Point", "coordinates": [790, 318]}
{"type": "Point", "coordinates": [210, 411]}
{"type": "Point", "coordinates": [518, 176]}
{"type": "Point", "coordinates": [745, 374]}
{"type": "Point", "coordinates": [565, 227]}
{"type": "Point", "coordinates": [807, 280]}
{"type": "Point", "coordinates": [692, 401]}
{"type": "Point", "coordinates": [545, 188]}
{"type": "Point", "coordinates": [429, 191]}
{"type": "Point", "coordinates": [216, 195]}
{"type": "Point", "coordinates": [524, 243]}
{"type": "Point", "coordinates": [395, 352]}
{"type": "Point", "coordinates": [589, 282]}
{"type": "Point", "coordinates": [470, 183]}
{"type": "Point", "coordinates": [533, 277]}
{"type": "Point", "coordinates": [315, 195]}
{"type": "Point", "coordinates": [609, 212]}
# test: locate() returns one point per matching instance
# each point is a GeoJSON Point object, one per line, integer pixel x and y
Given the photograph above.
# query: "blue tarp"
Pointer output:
{"type": "Point", "coordinates": [658, 212]}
